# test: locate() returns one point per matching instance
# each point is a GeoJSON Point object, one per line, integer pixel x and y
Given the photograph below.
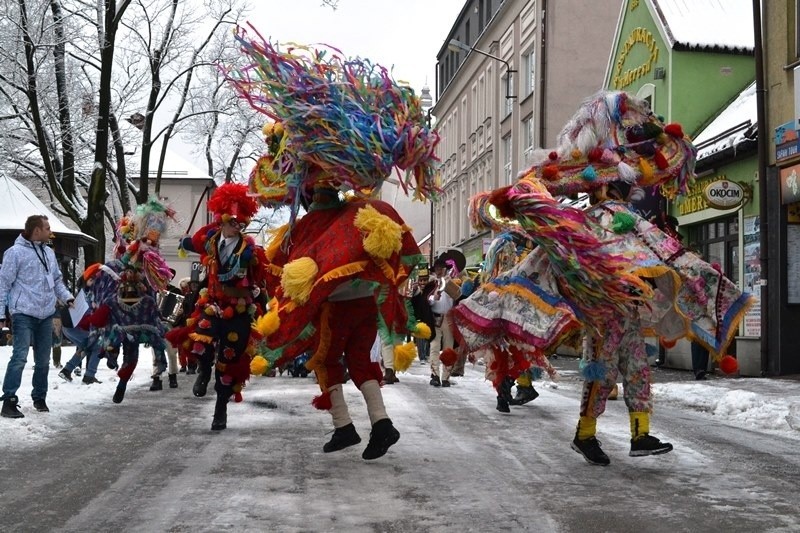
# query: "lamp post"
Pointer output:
{"type": "Point", "coordinates": [427, 104]}
{"type": "Point", "coordinates": [454, 45]}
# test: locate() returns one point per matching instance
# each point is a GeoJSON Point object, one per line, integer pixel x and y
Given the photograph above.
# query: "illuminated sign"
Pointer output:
{"type": "Point", "coordinates": [724, 194]}
{"type": "Point", "coordinates": [637, 35]}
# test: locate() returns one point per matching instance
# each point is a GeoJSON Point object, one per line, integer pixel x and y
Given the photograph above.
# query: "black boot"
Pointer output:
{"type": "Point", "coordinates": [156, 385]}
{"type": "Point", "coordinates": [65, 374]}
{"type": "Point", "coordinates": [173, 381]}
{"type": "Point", "coordinates": [435, 381]}
{"type": "Point", "coordinates": [381, 438]}
{"type": "Point", "coordinates": [524, 395]}
{"type": "Point", "coordinates": [201, 383]}
{"type": "Point", "coordinates": [119, 394]}
{"type": "Point", "coordinates": [342, 438]}
{"type": "Point", "coordinates": [389, 377]}
{"type": "Point", "coordinates": [10, 409]}
{"type": "Point", "coordinates": [192, 369]}
{"type": "Point", "coordinates": [220, 420]}
{"type": "Point", "coordinates": [502, 405]}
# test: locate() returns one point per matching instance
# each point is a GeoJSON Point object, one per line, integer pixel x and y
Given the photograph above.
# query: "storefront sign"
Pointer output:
{"type": "Point", "coordinates": [723, 194]}
{"type": "Point", "coordinates": [695, 201]}
{"type": "Point", "coordinates": [787, 141]}
{"type": "Point", "coordinates": [638, 35]}
{"type": "Point", "coordinates": [790, 184]}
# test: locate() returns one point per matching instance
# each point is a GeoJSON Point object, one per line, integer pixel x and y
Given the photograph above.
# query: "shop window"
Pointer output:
{"type": "Point", "coordinates": [718, 242]}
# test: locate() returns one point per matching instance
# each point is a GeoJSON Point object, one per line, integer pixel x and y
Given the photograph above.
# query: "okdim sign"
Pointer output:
{"type": "Point", "coordinates": [724, 194]}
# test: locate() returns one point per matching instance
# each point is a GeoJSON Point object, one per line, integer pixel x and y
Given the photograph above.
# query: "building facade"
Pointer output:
{"type": "Point", "coordinates": [781, 222]}
{"type": "Point", "coordinates": [515, 74]}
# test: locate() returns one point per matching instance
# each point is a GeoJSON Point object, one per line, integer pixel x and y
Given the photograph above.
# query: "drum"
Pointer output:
{"type": "Point", "coordinates": [170, 305]}
{"type": "Point", "coordinates": [452, 289]}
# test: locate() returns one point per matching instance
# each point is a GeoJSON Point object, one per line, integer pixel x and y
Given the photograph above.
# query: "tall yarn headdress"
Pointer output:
{"type": "Point", "coordinates": [337, 122]}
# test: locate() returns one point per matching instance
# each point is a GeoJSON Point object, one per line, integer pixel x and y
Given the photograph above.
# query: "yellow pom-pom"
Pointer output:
{"type": "Point", "coordinates": [182, 253]}
{"type": "Point", "coordinates": [267, 129]}
{"type": "Point", "coordinates": [259, 366]}
{"type": "Point", "coordinates": [647, 172]}
{"type": "Point", "coordinates": [210, 311]}
{"type": "Point", "coordinates": [241, 308]}
{"type": "Point", "coordinates": [404, 355]}
{"type": "Point", "coordinates": [233, 336]}
{"type": "Point", "coordinates": [422, 331]}
{"type": "Point", "coordinates": [268, 323]}
{"type": "Point", "coordinates": [298, 279]}
{"type": "Point", "coordinates": [383, 235]}
{"type": "Point", "coordinates": [278, 129]}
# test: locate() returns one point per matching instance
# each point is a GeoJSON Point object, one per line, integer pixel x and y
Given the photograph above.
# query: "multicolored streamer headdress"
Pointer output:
{"type": "Point", "coordinates": [338, 122]}
{"type": "Point", "coordinates": [615, 137]}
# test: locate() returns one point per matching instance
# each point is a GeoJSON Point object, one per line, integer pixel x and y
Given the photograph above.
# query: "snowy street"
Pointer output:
{"type": "Point", "coordinates": [152, 463]}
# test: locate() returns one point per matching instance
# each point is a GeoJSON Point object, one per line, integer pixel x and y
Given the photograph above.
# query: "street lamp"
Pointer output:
{"type": "Point", "coordinates": [454, 45]}
{"type": "Point", "coordinates": [427, 105]}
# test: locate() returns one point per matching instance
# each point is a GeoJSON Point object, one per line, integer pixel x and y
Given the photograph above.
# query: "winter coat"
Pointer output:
{"type": "Point", "coordinates": [24, 280]}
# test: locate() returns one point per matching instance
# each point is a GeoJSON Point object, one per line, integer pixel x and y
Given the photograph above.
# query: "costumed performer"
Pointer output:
{"type": "Point", "coordinates": [126, 289]}
{"type": "Point", "coordinates": [613, 146]}
{"type": "Point", "coordinates": [337, 271]}
{"type": "Point", "coordinates": [235, 296]}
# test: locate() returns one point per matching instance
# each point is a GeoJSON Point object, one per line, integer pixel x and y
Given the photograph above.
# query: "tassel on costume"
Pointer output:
{"type": "Point", "coordinates": [404, 355]}
{"type": "Point", "coordinates": [259, 366]}
{"type": "Point", "coordinates": [449, 357]}
{"type": "Point", "coordinates": [383, 235]}
{"type": "Point", "coordinates": [298, 279]}
{"type": "Point", "coordinates": [268, 323]}
{"type": "Point", "coordinates": [322, 402]}
{"type": "Point", "coordinates": [422, 331]}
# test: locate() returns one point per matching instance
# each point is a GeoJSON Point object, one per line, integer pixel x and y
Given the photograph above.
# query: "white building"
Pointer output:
{"type": "Point", "coordinates": [510, 74]}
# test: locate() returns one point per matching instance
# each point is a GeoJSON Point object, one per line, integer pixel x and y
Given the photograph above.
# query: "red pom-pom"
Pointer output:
{"type": "Point", "coordinates": [595, 154]}
{"type": "Point", "coordinates": [237, 397]}
{"type": "Point", "coordinates": [550, 172]}
{"type": "Point", "coordinates": [668, 345]}
{"type": "Point", "coordinates": [553, 155]}
{"type": "Point", "coordinates": [227, 314]}
{"type": "Point", "coordinates": [204, 324]}
{"type": "Point", "coordinates": [729, 364]}
{"type": "Point", "coordinates": [322, 402]}
{"type": "Point", "coordinates": [661, 161]}
{"type": "Point", "coordinates": [198, 348]}
{"type": "Point", "coordinates": [499, 198]}
{"type": "Point", "coordinates": [674, 129]}
{"type": "Point", "coordinates": [448, 357]}
{"type": "Point", "coordinates": [233, 199]}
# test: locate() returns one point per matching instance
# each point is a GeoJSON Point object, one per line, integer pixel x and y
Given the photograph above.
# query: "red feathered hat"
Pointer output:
{"type": "Point", "coordinates": [231, 201]}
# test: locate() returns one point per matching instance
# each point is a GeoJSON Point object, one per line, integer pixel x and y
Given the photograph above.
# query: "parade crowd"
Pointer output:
{"type": "Point", "coordinates": [342, 291]}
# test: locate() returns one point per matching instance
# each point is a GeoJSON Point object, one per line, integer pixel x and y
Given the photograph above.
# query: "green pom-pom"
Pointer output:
{"type": "Point", "coordinates": [589, 174]}
{"type": "Point", "coordinates": [652, 130]}
{"type": "Point", "coordinates": [623, 223]}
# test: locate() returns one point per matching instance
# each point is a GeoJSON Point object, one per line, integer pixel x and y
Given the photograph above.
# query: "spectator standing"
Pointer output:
{"type": "Point", "coordinates": [31, 281]}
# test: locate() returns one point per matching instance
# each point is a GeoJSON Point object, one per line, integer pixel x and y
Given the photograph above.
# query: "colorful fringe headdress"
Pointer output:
{"type": "Point", "coordinates": [232, 201]}
{"type": "Point", "coordinates": [614, 136]}
{"type": "Point", "coordinates": [339, 122]}
{"type": "Point", "coordinates": [138, 237]}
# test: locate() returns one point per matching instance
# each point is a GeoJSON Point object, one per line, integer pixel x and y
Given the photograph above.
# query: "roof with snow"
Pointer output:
{"type": "Point", "coordinates": [17, 203]}
{"type": "Point", "coordinates": [707, 25]}
{"type": "Point", "coordinates": [735, 125]}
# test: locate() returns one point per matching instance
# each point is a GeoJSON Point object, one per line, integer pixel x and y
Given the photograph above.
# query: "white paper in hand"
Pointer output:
{"type": "Point", "coordinates": [80, 307]}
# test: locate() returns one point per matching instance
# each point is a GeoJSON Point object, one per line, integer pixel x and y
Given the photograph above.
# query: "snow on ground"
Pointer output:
{"type": "Point", "coordinates": [769, 405]}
